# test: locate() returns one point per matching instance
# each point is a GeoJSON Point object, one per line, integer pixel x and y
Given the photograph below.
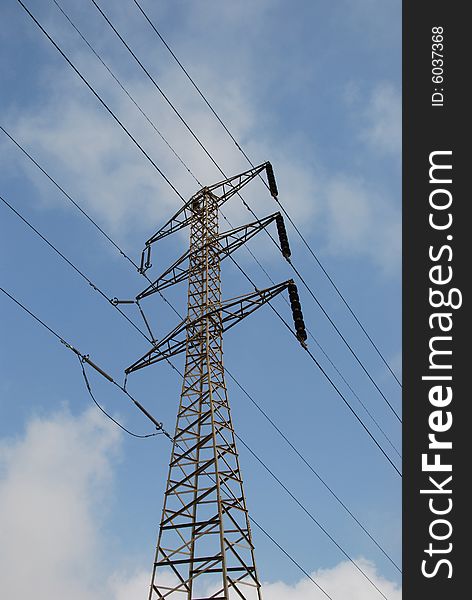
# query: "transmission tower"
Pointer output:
{"type": "Point", "coordinates": [205, 548]}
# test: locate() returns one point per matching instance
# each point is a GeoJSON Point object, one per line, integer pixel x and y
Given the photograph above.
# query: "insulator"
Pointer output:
{"type": "Point", "coordinates": [271, 180]}
{"type": "Point", "coordinates": [279, 220]}
{"type": "Point", "coordinates": [148, 264]}
{"type": "Point", "coordinates": [141, 266]}
{"type": "Point", "coordinates": [302, 335]}
{"type": "Point", "coordinates": [285, 250]}
{"type": "Point", "coordinates": [98, 369]}
{"type": "Point", "coordinates": [293, 292]}
{"type": "Point", "coordinates": [283, 239]}
{"type": "Point", "coordinates": [297, 312]}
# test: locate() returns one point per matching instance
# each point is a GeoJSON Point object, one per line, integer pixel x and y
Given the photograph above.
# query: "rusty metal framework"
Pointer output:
{"type": "Point", "coordinates": [205, 548]}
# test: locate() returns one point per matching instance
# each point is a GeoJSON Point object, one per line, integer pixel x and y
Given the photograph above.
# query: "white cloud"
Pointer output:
{"type": "Point", "coordinates": [130, 587]}
{"type": "Point", "coordinates": [52, 482]}
{"type": "Point", "coordinates": [342, 581]}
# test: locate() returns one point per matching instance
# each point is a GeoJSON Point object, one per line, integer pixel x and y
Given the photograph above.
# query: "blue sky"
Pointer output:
{"type": "Point", "coordinates": [314, 87]}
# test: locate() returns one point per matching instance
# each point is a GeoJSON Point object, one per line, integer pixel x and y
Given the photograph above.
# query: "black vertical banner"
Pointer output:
{"type": "Point", "coordinates": [437, 230]}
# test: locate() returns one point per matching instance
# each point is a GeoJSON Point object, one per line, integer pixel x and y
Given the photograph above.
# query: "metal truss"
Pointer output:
{"type": "Point", "coordinates": [226, 315]}
{"type": "Point", "coordinates": [205, 548]}
{"type": "Point", "coordinates": [183, 217]}
{"type": "Point", "coordinates": [227, 243]}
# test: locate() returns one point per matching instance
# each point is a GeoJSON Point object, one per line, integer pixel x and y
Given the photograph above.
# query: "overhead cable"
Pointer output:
{"type": "Point", "coordinates": [128, 93]}
{"type": "Point", "coordinates": [83, 359]}
{"type": "Point", "coordinates": [310, 515]}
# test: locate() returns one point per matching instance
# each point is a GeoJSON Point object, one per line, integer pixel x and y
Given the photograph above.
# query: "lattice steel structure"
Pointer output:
{"type": "Point", "coordinates": [205, 548]}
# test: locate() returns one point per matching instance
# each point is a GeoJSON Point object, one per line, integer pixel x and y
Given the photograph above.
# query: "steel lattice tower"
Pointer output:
{"type": "Point", "coordinates": [205, 548]}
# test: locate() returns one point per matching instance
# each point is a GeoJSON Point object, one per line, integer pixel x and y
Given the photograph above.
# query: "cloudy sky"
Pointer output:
{"type": "Point", "coordinates": [312, 86]}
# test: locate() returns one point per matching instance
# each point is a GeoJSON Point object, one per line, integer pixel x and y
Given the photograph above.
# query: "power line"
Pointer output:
{"type": "Point", "coordinates": [126, 91]}
{"type": "Point", "coordinates": [100, 99]}
{"type": "Point", "coordinates": [71, 264]}
{"type": "Point", "coordinates": [346, 342]}
{"type": "Point", "coordinates": [77, 205]}
{"type": "Point", "coordinates": [310, 515]}
{"type": "Point", "coordinates": [352, 410]}
{"type": "Point", "coordinates": [354, 393]}
{"type": "Point", "coordinates": [61, 189]}
{"type": "Point", "coordinates": [100, 407]}
{"type": "Point", "coordinates": [156, 85]}
{"type": "Point", "coordinates": [312, 469]}
{"type": "Point", "coordinates": [82, 359]}
{"type": "Point", "coordinates": [288, 556]}
{"type": "Point", "coordinates": [197, 139]}
{"type": "Point", "coordinates": [338, 391]}
{"type": "Point", "coordinates": [297, 229]}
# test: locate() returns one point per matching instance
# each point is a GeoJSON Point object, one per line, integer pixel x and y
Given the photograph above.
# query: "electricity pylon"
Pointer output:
{"type": "Point", "coordinates": [205, 548]}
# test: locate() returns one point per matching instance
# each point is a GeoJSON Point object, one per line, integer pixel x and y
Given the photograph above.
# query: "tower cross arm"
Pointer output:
{"type": "Point", "coordinates": [223, 316]}
{"type": "Point", "coordinates": [222, 190]}
{"type": "Point", "coordinates": [226, 242]}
